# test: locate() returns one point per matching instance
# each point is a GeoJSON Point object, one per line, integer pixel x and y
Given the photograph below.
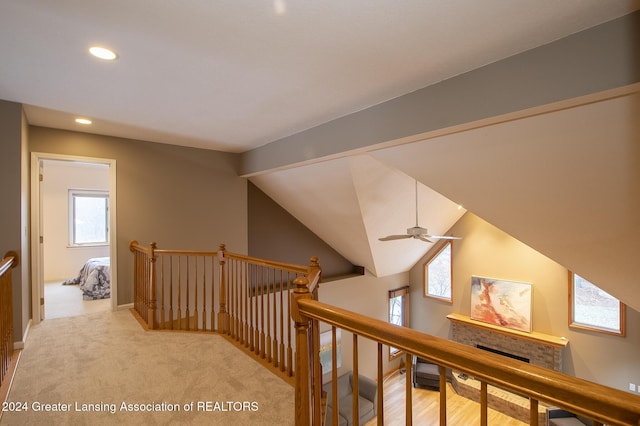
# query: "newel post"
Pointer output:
{"type": "Point", "coordinates": [153, 307]}
{"type": "Point", "coordinates": [303, 373]}
{"type": "Point", "coordinates": [223, 315]}
{"type": "Point", "coordinates": [313, 270]}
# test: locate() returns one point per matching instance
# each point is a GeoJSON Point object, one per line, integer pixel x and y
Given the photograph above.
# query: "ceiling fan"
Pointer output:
{"type": "Point", "coordinates": [418, 232]}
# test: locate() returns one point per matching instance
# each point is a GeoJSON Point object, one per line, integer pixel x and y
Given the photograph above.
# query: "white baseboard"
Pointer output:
{"type": "Point", "coordinates": [20, 344]}
{"type": "Point", "coordinates": [125, 307]}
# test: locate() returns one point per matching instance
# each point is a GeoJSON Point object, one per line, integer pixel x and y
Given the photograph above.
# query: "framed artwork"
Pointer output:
{"type": "Point", "coordinates": [326, 349]}
{"type": "Point", "coordinates": [500, 302]}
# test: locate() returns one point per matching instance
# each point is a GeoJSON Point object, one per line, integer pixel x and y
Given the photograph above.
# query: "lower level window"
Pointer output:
{"type": "Point", "coordinates": [398, 312]}
{"type": "Point", "coordinates": [594, 309]}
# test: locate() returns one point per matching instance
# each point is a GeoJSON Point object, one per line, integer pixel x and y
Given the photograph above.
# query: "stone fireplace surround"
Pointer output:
{"type": "Point", "coordinates": [540, 349]}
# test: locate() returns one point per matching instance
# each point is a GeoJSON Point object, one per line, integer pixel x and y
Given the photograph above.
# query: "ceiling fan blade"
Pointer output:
{"type": "Point", "coordinates": [444, 237]}
{"type": "Point", "coordinates": [423, 238]}
{"type": "Point", "coordinates": [394, 237]}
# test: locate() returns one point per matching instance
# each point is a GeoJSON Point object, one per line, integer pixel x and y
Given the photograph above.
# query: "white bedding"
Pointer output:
{"type": "Point", "coordinates": [94, 279]}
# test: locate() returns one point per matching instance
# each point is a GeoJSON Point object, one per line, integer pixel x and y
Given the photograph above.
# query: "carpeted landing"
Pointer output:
{"type": "Point", "coordinates": [104, 369]}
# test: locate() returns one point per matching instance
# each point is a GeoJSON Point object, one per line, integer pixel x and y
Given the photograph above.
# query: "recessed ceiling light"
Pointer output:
{"type": "Point", "coordinates": [103, 53]}
{"type": "Point", "coordinates": [280, 7]}
{"type": "Point", "coordinates": [83, 121]}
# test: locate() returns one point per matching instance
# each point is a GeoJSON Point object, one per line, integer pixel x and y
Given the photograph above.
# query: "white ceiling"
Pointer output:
{"type": "Point", "coordinates": [566, 182]}
{"type": "Point", "coordinates": [360, 200]}
{"type": "Point", "coordinates": [233, 75]}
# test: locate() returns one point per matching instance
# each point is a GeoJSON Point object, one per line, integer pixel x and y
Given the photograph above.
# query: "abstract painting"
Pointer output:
{"type": "Point", "coordinates": [500, 302]}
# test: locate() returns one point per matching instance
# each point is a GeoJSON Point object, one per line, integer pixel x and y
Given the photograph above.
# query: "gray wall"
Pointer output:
{"type": "Point", "coordinates": [14, 207]}
{"type": "Point", "coordinates": [489, 252]}
{"type": "Point", "coordinates": [276, 235]}
{"type": "Point", "coordinates": [599, 58]}
{"type": "Point", "coordinates": [181, 198]}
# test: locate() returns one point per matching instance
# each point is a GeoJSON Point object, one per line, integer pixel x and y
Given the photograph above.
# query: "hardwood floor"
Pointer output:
{"type": "Point", "coordinates": [426, 407]}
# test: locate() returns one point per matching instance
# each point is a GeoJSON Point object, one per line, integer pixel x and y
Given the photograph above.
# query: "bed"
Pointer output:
{"type": "Point", "coordinates": [94, 279]}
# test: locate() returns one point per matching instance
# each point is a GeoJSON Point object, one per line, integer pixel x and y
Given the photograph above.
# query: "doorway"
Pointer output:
{"type": "Point", "coordinates": [73, 235]}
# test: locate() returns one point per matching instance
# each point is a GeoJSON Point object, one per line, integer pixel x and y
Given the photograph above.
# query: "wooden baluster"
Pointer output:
{"type": "Point", "coordinates": [258, 308]}
{"type": "Point", "coordinates": [135, 272]}
{"type": "Point", "coordinates": [277, 317]}
{"type": "Point", "coordinates": [408, 403]}
{"type": "Point", "coordinates": [136, 290]}
{"type": "Point", "coordinates": [141, 274]}
{"type": "Point", "coordinates": [242, 302]}
{"type": "Point", "coordinates": [289, 338]}
{"type": "Point", "coordinates": [533, 412]}
{"type": "Point", "coordinates": [483, 403]}
{"type": "Point", "coordinates": [245, 314]}
{"type": "Point", "coordinates": [138, 277]}
{"type": "Point", "coordinates": [196, 317]}
{"type": "Point", "coordinates": [280, 360]}
{"type": "Point", "coordinates": [161, 323]}
{"type": "Point", "coordinates": [238, 305]}
{"type": "Point", "coordinates": [171, 292]}
{"type": "Point", "coordinates": [355, 406]}
{"type": "Point", "coordinates": [302, 377]}
{"type": "Point", "coordinates": [316, 387]}
{"type": "Point", "coordinates": [204, 293]}
{"type": "Point", "coordinates": [213, 294]}
{"type": "Point", "coordinates": [238, 301]}
{"type": "Point", "coordinates": [334, 377]}
{"type": "Point", "coordinates": [152, 290]}
{"type": "Point", "coordinates": [261, 351]}
{"type": "Point", "coordinates": [380, 399]}
{"type": "Point", "coordinates": [443, 395]}
{"type": "Point", "coordinates": [252, 304]}
{"type": "Point", "coordinates": [267, 351]}
{"type": "Point", "coordinates": [179, 292]}
{"type": "Point", "coordinates": [223, 316]}
{"type": "Point", "coordinates": [256, 322]}
{"type": "Point", "coordinates": [187, 298]}
{"type": "Point", "coordinates": [230, 297]}
{"type": "Point", "coordinates": [233, 311]}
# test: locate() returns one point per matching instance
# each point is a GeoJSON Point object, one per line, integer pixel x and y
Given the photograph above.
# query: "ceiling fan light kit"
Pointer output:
{"type": "Point", "coordinates": [417, 231]}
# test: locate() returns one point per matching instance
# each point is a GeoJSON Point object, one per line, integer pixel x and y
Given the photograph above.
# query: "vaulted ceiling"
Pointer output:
{"type": "Point", "coordinates": [237, 76]}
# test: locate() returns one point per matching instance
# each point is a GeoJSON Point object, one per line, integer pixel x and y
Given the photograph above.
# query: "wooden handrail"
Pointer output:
{"type": "Point", "coordinates": [136, 246]}
{"type": "Point", "coordinates": [598, 402]}
{"type": "Point", "coordinates": [269, 263]}
{"type": "Point", "coordinates": [242, 297]}
{"type": "Point", "coordinates": [9, 261]}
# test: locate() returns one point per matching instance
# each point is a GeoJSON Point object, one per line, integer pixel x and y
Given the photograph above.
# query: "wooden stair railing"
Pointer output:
{"type": "Point", "coordinates": [271, 309]}
{"type": "Point", "coordinates": [244, 298]}
{"type": "Point", "coordinates": [602, 404]}
{"type": "Point", "coordinates": [9, 262]}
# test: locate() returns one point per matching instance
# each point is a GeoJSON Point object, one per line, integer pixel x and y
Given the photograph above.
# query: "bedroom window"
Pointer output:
{"type": "Point", "coordinates": [88, 217]}
{"type": "Point", "coordinates": [591, 308]}
{"type": "Point", "coordinates": [438, 273]}
{"type": "Point", "coordinates": [398, 312]}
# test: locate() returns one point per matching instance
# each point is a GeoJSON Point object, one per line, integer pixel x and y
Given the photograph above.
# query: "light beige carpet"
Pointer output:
{"type": "Point", "coordinates": [107, 363]}
{"type": "Point", "coordinates": [66, 301]}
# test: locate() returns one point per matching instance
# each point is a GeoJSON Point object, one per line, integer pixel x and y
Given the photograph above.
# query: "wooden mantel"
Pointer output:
{"type": "Point", "coordinates": [545, 339]}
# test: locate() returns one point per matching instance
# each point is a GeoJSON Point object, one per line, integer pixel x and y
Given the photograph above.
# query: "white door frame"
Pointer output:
{"type": "Point", "coordinates": [37, 265]}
